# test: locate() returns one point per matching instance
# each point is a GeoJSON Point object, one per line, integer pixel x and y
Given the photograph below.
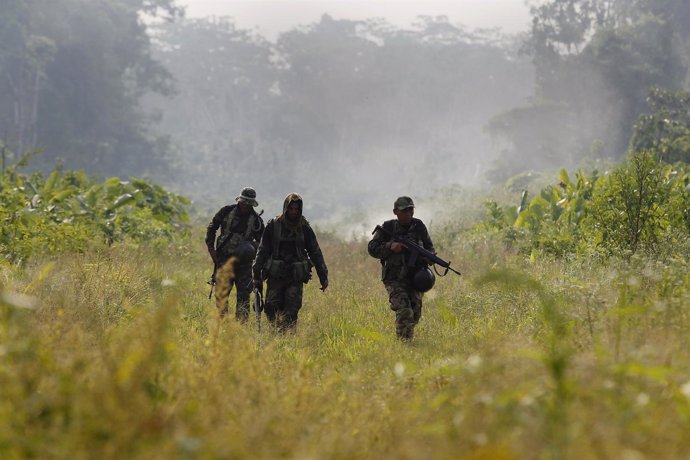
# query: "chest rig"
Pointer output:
{"type": "Point", "coordinates": [395, 265]}
{"type": "Point", "coordinates": [285, 242]}
{"type": "Point", "coordinates": [288, 259]}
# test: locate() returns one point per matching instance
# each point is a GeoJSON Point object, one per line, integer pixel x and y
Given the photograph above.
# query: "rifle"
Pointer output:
{"type": "Point", "coordinates": [417, 250]}
{"type": "Point", "coordinates": [212, 280]}
{"type": "Point", "coordinates": [258, 307]}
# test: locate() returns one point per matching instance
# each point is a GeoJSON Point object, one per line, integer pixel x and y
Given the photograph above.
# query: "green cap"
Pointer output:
{"type": "Point", "coordinates": [403, 202]}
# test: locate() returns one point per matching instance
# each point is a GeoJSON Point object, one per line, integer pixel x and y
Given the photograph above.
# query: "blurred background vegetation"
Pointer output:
{"type": "Point", "coordinates": [338, 109]}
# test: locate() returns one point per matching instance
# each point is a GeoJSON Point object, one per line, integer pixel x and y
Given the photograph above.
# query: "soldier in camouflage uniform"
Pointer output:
{"type": "Point", "coordinates": [240, 232]}
{"type": "Point", "coordinates": [287, 252]}
{"type": "Point", "coordinates": [404, 300]}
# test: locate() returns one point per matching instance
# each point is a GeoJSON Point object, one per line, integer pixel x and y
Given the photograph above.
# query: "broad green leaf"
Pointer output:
{"type": "Point", "coordinates": [50, 183]}
{"type": "Point", "coordinates": [63, 194]}
{"type": "Point", "coordinates": [565, 178]}
{"type": "Point", "coordinates": [121, 201]}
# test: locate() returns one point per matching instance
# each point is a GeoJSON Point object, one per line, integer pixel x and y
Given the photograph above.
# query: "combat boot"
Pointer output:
{"type": "Point", "coordinates": [242, 312]}
{"type": "Point", "coordinates": [405, 333]}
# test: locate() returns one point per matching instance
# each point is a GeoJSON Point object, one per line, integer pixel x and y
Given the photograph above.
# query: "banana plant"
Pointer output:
{"type": "Point", "coordinates": [66, 208]}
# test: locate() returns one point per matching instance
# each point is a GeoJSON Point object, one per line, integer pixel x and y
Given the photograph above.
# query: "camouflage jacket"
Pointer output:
{"type": "Point", "coordinates": [394, 265]}
{"type": "Point", "coordinates": [233, 229]}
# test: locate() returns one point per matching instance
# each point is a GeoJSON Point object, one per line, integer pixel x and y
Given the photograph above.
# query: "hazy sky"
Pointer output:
{"type": "Point", "coordinates": [272, 17]}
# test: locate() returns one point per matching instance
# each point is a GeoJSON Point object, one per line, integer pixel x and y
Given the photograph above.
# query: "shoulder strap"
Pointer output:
{"type": "Point", "coordinates": [228, 220]}
{"type": "Point", "coordinates": [389, 225]}
{"type": "Point", "coordinates": [416, 229]}
{"type": "Point", "coordinates": [250, 227]}
{"type": "Point", "coordinates": [276, 237]}
{"type": "Point", "coordinates": [299, 242]}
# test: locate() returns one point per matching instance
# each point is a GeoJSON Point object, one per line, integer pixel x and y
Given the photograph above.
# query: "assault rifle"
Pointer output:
{"type": "Point", "coordinates": [212, 281]}
{"type": "Point", "coordinates": [416, 250]}
{"type": "Point", "coordinates": [258, 307]}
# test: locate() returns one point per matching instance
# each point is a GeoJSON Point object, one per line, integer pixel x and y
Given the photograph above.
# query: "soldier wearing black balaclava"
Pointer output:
{"type": "Point", "coordinates": [286, 255]}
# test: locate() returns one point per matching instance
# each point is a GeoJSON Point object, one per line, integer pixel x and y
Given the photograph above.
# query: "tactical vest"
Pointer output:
{"type": "Point", "coordinates": [281, 240]}
{"type": "Point", "coordinates": [395, 265]}
{"type": "Point", "coordinates": [284, 264]}
{"type": "Point", "coordinates": [394, 227]}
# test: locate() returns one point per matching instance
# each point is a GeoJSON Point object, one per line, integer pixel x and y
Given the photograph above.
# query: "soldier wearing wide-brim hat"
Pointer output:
{"type": "Point", "coordinates": [405, 299]}
{"type": "Point", "coordinates": [248, 196]}
{"type": "Point", "coordinates": [240, 228]}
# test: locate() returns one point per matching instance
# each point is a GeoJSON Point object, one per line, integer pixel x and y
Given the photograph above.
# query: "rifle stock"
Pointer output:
{"type": "Point", "coordinates": [417, 250]}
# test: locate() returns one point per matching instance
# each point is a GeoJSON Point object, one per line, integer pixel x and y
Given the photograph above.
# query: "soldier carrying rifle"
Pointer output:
{"type": "Point", "coordinates": [405, 249]}
{"type": "Point", "coordinates": [241, 228]}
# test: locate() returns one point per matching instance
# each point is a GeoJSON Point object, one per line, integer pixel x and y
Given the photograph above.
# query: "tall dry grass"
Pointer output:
{"type": "Point", "coordinates": [122, 355]}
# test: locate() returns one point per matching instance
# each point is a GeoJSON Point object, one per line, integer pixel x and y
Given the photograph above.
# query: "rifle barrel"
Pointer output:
{"type": "Point", "coordinates": [421, 250]}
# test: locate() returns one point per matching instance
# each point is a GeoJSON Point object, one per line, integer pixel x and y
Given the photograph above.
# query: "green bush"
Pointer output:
{"type": "Point", "coordinates": [639, 206]}
{"type": "Point", "coordinates": [642, 205]}
{"type": "Point", "coordinates": [67, 210]}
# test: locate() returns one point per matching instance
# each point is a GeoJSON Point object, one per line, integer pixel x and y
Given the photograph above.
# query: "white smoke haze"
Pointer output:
{"type": "Point", "coordinates": [272, 17]}
{"type": "Point", "coordinates": [348, 140]}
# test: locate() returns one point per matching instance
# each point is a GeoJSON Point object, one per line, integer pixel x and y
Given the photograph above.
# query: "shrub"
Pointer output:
{"type": "Point", "coordinates": [67, 210]}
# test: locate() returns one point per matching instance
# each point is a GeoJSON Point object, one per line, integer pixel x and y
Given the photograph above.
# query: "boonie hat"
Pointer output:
{"type": "Point", "coordinates": [403, 202]}
{"type": "Point", "coordinates": [248, 195]}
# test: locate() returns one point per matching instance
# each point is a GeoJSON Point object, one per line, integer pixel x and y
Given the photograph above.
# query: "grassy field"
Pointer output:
{"type": "Point", "coordinates": [118, 353]}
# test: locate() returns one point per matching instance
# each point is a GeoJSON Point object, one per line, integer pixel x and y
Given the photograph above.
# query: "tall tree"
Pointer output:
{"type": "Point", "coordinates": [23, 60]}
{"type": "Point", "coordinates": [666, 130]}
{"type": "Point", "coordinates": [89, 63]}
{"type": "Point", "coordinates": [596, 60]}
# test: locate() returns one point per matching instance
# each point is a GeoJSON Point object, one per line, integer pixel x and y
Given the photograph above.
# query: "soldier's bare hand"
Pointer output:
{"type": "Point", "coordinates": [324, 286]}
{"type": "Point", "coordinates": [396, 247]}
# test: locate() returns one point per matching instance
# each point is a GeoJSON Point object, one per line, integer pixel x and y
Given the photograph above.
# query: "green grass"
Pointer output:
{"type": "Point", "coordinates": [122, 356]}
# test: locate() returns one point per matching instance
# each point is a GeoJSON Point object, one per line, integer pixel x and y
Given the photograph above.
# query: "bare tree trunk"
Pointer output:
{"type": "Point", "coordinates": [20, 127]}
{"type": "Point", "coordinates": [13, 136]}
{"type": "Point", "coordinates": [34, 111]}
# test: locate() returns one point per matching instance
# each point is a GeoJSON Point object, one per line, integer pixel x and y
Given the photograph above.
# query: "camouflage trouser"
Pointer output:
{"type": "Point", "coordinates": [407, 305]}
{"type": "Point", "coordinates": [283, 301]}
{"type": "Point", "coordinates": [243, 286]}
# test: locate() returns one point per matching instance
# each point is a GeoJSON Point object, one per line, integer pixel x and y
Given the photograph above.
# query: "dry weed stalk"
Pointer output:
{"type": "Point", "coordinates": [224, 277]}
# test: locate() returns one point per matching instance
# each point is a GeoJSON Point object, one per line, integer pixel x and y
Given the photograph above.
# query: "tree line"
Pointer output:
{"type": "Point", "coordinates": [340, 108]}
{"type": "Point", "coordinates": [131, 87]}
{"type": "Point", "coordinates": [603, 69]}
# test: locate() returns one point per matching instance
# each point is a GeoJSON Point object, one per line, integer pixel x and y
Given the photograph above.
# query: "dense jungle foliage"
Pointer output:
{"type": "Point", "coordinates": [69, 211]}
{"type": "Point", "coordinates": [642, 205]}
